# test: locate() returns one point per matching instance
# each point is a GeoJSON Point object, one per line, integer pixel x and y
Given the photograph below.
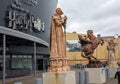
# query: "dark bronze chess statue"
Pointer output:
{"type": "Point", "coordinates": [89, 43]}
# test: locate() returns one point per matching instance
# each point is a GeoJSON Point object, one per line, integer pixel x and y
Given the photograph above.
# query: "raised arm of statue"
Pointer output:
{"type": "Point", "coordinates": [59, 20]}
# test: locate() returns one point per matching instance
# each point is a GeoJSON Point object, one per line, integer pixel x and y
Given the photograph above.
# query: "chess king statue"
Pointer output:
{"type": "Point", "coordinates": [58, 61]}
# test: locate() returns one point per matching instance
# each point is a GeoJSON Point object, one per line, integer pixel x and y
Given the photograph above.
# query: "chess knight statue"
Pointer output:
{"type": "Point", "coordinates": [58, 61]}
{"type": "Point", "coordinates": [89, 43]}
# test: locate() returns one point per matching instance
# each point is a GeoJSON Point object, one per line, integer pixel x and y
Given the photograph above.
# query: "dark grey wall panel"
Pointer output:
{"type": "Point", "coordinates": [43, 10]}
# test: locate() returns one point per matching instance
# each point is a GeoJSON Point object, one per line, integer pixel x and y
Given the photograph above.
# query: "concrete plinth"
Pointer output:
{"type": "Point", "coordinates": [17, 82]}
{"type": "Point", "coordinates": [97, 75]}
{"type": "Point", "coordinates": [38, 81]}
{"type": "Point", "coordinates": [59, 78]}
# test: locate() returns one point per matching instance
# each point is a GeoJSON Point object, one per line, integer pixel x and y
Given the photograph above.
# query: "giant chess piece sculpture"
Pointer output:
{"type": "Point", "coordinates": [58, 61]}
{"type": "Point", "coordinates": [111, 52]}
{"type": "Point", "coordinates": [89, 43]}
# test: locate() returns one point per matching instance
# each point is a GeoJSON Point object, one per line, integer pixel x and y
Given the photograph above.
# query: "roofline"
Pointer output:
{"type": "Point", "coordinates": [11, 32]}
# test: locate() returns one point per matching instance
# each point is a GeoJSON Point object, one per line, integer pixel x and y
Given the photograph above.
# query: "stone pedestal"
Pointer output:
{"type": "Point", "coordinates": [17, 82]}
{"type": "Point", "coordinates": [38, 81]}
{"type": "Point", "coordinates": [58, 64]}
{"type": "Point", "coordinates": [96, 75]}
{"type": "Point", "coordinates": [59, 77]}
{"type": "Point", "coordinates": [112, 71]}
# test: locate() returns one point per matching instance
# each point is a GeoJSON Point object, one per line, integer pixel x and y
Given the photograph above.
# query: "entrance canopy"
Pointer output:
{"type": "Point", "coordinates": [21, 38]}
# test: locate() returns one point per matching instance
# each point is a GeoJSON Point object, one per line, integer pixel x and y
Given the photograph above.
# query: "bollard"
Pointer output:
{"type": "Point", "coordinates": [17, 82]}
{"type": "Point", "coordinates": [77, 77]}
{"type": "Point", "coordinates": [38, 81]}
{"type": "Point", "coordinates": [81, 77]}
{"type": "Point", "coordinates": [86, 77]}
{"type": "Point", "coordinates": [107, 74]}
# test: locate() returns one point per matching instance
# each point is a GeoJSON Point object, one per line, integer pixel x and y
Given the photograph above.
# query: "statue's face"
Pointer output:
{"type": "Point", "coordinates": [59, 11]}
{"type": "Point", "coordinates": [90, 32]}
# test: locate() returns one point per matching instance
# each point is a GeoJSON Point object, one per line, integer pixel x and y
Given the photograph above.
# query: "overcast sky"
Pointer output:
{"type": "Point", "coordinates": [102, 16]}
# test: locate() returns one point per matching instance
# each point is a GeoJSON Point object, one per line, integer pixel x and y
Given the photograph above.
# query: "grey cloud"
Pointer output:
{"type": "Point", "coordinates": [103, 16]}
{"type": "Point", "coordinates": [108, 11]}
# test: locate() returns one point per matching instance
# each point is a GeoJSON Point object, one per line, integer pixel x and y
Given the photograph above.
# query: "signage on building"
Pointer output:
{"type": "Point", "coordinates": [20, 18]}
{"type": "Point", "coordinates": [31, 2]}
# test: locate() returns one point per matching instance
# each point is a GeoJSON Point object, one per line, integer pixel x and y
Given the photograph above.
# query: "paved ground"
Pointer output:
{"type": "Point", "coordinates": [24, 79]}
{"type": "Point", "coordinates": [31, 80]}
{"type": "Point", "coordinates": [112, 81]}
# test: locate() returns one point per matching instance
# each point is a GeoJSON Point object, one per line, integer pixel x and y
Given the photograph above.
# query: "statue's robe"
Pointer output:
{"type": "Point", "coordinates": [57, 41]}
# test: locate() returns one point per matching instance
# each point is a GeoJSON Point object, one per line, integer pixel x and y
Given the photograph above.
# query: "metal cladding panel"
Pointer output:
{"type": "Point", "coordinates": [23, 10]}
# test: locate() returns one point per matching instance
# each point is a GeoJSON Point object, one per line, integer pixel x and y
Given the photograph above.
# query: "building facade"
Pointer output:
{"type": "Point", "coordinates": [24, 35]}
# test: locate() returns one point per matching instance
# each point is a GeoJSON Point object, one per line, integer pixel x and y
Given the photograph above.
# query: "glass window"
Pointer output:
{"type": "Point", "coordinates": [0, 56]}
{"type": "Point", "coordinates": [14, 56]}
{"type": "Point", "coordinates": [14, 63]}
{"type": "Point", "coordinates": [29, 56]}
{"type": "Point", "coordinates": [73, 46]}
{"type": "Point", "coordinates": [20, 56]}
{"type": "Point", "coordinates": [22, 62]}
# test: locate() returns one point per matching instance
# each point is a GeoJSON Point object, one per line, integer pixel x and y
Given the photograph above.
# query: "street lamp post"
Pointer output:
{"type": "Point", "coordinates": [4, 58]}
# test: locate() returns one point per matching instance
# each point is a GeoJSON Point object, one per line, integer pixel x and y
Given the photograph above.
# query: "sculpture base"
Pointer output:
{"type": "Point", "coordinates": [94, 64]}
{"type": "Point", "coordinates": [59, 77]}
{"type": "Point", "coordinates": [58, 65]}
{"type": "Point", "coordinates": [97, 75]}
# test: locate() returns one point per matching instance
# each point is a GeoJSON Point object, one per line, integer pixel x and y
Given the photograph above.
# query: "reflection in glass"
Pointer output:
{"type": "Point", "coordinates": [73, 46]}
